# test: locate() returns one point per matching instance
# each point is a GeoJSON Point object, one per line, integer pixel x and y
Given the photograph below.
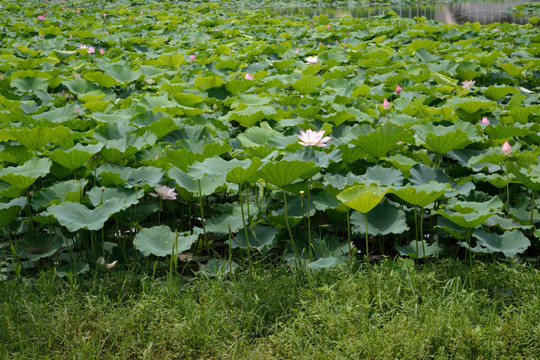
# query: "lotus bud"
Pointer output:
{"type": "Point", "coordinates": [506, 148]}
{"type": "Point", "coordinates": [386, 104]}
{"type": "Point", "coordinates": [398, 89]}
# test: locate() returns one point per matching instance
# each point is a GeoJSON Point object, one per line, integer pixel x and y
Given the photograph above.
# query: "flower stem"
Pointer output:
{"type": "Point", "coordinates": [309, 220]}
{"type": "Point", "coordinates": [202, 219]}
{"type": "Point", "coordinates": [289, 228]}
{"type": "Point", "coordinates": [248, 250]}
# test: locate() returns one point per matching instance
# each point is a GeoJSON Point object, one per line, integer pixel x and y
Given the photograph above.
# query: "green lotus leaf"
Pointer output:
{"type": "Point", "coordinates": [75, 216]}
{"type": "Point", "coordinates": [63, 114]}
{"type": "Point", "coordinates": [257, 136]}
{"type": "Point", "coordinates": [454, 230]}
{"type": "Point", "coordinates": [101, 79]}
{"type": "Point", "coordinates": [189, 100]}
{"type": "Point", "coordinates": [25, 175]}
{"type": "Point", "coordinates": [383, 140]}
{"type": "Point", "coordinates": [207, 82]}
{"type": "Point", "coordinates": [171, 60]}
{"type": "Point", "coordinates": [231, 220]}
{"type": "Point", "coordinates": [384, 219]}
{"type": "Point", "coordinates": [74, 268]}
{"type": "Point", "coordinates": [217, 268]}
{"type": "Point", "coordinates": [30, 84]}
{"type": "Point", "coordinates": [307, 84]}
{"type": "Point", "coordinates": [14, 154]}
{"type": "Point", "coordinates": [441, 139]}
{"type": "Point", "coordinates": [78, 86]}
{"type": "Point", "coordinates": [236, 86]}
{"type": "Point", "coordinates": [506, 132]}
{"type": "Point", "coordinates": [244, 171]}
{"type": "Point", "coordinates": [498, 92]}
{"type": "Point", "coordinates": [64, 55]}
{"type": "Point", "coordinates": [510, 243]}
{"type": "Point", "coordinates": [469, 214]}
{"type": "Point", "coordinates": [74, 157]}
{"type": "Point", "coordinates": [325, 263]}
{"type": "Point", "coordinates": [383, 176]}
{"type": "Point", "coordinates": [38, 246]}
{"type": "Point", "coordinates": [209, 184]}
{"type": "Point", "coordinates": [410, 250]}
{"type": "Point", "coordinates": [98, 195]}
{"type": "Point", "coordinates": [64, 191]}
{"type": "Point", "coordinates": [160, 241]}
{"type": "Point", "coordinates": [112, 175]}
{"type": "Point", "coordinates": [362, 198]}
{"type": "Point", "coordinates": [122, 72]}
{"type": "Point", "coordinates": [117, 149]}
{"type": "Point", "coordinates": [297, 209]}
{"type": "Point", "coordinates": [521, 114]}
{"type": "Point", "coordinates": [248, 117]}
{"type": "Point", "coordinates": [36, 138]}
{"type": "Point", "coordinates": [283, 173]}
{"type": "Point", "coordinates": [10, 210]}
{"type": "Point", "coordinates": [211, 166]}
{"type": "Point", "coordinates": [260, 237]}
{"type": "Point", "coordinates": [421, 195]}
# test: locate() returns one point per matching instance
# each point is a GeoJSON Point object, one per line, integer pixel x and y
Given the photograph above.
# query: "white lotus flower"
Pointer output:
{"type": "Point", "coordinates": [313, 138]}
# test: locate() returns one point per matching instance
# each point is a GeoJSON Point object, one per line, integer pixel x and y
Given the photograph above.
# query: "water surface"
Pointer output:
{"type": "Point", "coordinates": [454, 12]}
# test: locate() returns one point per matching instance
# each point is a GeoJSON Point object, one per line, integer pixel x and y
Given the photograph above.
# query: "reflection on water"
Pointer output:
{"type": "Point", "coordinates": [483, 11]}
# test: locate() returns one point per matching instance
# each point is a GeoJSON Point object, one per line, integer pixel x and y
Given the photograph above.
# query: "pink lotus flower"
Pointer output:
{"type": "Point", "coordinates": [313, 138]}
{"type": "Point", "coordinates": [249, 77]}
{"type": "Point", "coordinates": [78, 12]}
{"type": "Point", "coordinates": [192, 57]}
{"type": "Point", "coordinates": [329, 26]}
{"type": "Point", "coordinates": [485, 121]}
{"type": "Point", "coordinates": [506, 148]}
{"type": "Point", "coordinates": [165, 193]}
{"type": "Point", "coordinates": [40, 18]}
{"type": "Point", "coordinates": [91, 50]}
{"type": "Point", "coordinates": [398, 89]}
{"type": "Point", "coordinates": [102, 51]}
{"type": "Point", "coordinates": [104, 15]}
{"type": "Point", "coordinates": [70, 36]}
{"type": "Point", "coordinates": [312, 59]}
{"type": "Point", "coordinates": [496, 29]}
{"type": "Point", "coordinates": [298, 51]}
{"type": "Point", "coordinates": [467, 84]}
{"type": "Point", "coordinates": [386, 105]}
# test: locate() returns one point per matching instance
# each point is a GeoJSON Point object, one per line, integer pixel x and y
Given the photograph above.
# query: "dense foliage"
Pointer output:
{"type": "Point", "coordinates": [434, 131]}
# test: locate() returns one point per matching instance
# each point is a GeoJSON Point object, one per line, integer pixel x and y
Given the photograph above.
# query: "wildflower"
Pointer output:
{"type": "Point", "coordinates": [311, 59]}
{"type": "Point", "coordinates": [313, 138]}
{"type": "Point", "coordinates": [467, 84]}
{"type": "Point", "coordinates": [249, 77]}
{"type": "Point", "coordinates": [506, 148]}
{"type": "Point", "coordinates": [386, 104]}
{"type": "Point", "coordinates": [485, 121]}
{"type": "Point", "coordinates": [398, 89]}
{"type": "Point", "coordinates": [164, 192]}
{"type": "Point", "coordinates": [192, 57]}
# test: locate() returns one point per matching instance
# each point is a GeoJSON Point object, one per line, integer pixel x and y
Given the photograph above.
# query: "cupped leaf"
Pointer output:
{"type": "Point", "coordinates": [10, 210]}
{"type": "Point", "coordinates": [76, 156]}
{"type": "Point", "coordinates": [283, 173]}
{"type": "Point", "coordinates": [421, 195]}
{"type": "Point", "coordinates": [386, 138]}
{"type": "Point", "coordinates": [75, 216]}
{"type": "Point", "coordinates": [424, 249]}
{"type": "Point", "coordinates": [64, 191]}
{"type": "Point", "coordinates": [25, 175]}
{"type": "Point", "coordinates": [384, 219]}
{"type": "Point", "coordinates": [260, 237]}
{"type": "Point", "coordinates": [510, 243]}
{"type": "Point", "coordinates": [36, 138]}
{"type": "Point", "coordinates": [161, 241]}
{"type": "Point", "coordinates": [362, 198]}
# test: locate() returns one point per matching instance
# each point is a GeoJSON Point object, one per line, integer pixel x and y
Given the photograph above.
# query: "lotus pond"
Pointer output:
{"type": "Point", "coordinates": [141, 130]}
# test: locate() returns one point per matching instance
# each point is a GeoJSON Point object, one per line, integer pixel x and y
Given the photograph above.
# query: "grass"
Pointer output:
{"type": "Point", "coordinates": [274, 312]}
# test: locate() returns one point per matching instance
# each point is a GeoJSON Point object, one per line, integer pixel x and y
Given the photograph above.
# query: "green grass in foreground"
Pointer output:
{"type": "Point", "coordinates": [278, 313]}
